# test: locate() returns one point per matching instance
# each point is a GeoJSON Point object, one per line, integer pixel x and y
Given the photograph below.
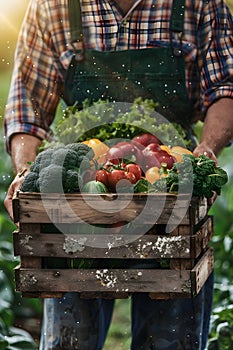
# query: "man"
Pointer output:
{"type": "Point", "coordinates": [180, 53]}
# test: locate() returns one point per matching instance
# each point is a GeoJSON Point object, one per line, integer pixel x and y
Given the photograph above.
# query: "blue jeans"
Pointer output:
{"type": "Point", "coordinates": [72, 323]}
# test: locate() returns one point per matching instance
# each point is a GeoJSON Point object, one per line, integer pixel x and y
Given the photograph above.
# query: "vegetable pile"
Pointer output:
{"type": "Point", "coordinates": [118, 154]}
{"type": "Point", "coordinates": [142, 164]}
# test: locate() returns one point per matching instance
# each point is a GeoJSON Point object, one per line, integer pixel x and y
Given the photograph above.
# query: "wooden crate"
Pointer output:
{"type": "Point", "coordinates": [173, 230]}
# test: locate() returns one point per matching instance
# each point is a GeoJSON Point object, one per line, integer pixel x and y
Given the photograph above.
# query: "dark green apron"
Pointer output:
{"type": "Point", "coordinates": [122, 76]}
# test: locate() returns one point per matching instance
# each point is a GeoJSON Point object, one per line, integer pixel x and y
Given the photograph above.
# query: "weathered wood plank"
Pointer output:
{"type": "Point", "coordinates": [161, 283]}
{"type": "Point", "coordinates": [202, 270]}
{"type": "Point", "coordinates": [72, 246]}
{"type": "Point", "coordinates": [109, 208]}
{"type": "Point", "coordinates": [34, 261]}
{"type": "Point", "coordinates": [102, 280]}
{"type": "Point", "coordinates": [107, 246]}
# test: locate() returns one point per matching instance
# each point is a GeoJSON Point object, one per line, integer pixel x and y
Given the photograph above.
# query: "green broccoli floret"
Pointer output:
{"type": "Point", "coordinates": [43, 159]}
{"type": "Point", "coordinates": [73, 156]}
{"type": "Point", "coordinates": [65, 157]}
{"type": "Point", "coordinates": [35, 167]}
{"type": "Point", "coordinates": [30, 183]}
{"type": "Point", "coordinates": [52, 179]}
{"type": "Point", "coordinates": [81, 149]}
{"type": "Point", "coordinates": [73, 181]}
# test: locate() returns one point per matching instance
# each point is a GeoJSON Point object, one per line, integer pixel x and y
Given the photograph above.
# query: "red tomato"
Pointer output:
{"type": "Point", "coordinates": [131, 177]}
{"type": "Point", "coordinates": [102, 176]}
{"type": "Point", "coordinates": [115, 176]}
{"type": "Point", "coordinates": [135, 169]}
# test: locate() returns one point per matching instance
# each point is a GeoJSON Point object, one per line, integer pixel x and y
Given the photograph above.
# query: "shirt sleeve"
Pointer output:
{"type": "Point", "coordinates": [35, 86]}
{"type": "Point", "coordinates": [216, 59]}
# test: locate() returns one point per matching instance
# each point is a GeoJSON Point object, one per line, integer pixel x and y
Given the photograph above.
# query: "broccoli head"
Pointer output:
{"type": "Point", "coordinates": [58, 169]}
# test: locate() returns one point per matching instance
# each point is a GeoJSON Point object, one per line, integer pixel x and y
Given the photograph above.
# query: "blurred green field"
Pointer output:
{"type": "Point", "coordinates": [5, 77]}
{"type": "Point", "coordinates": [230, 4]}
{"type": "Point", "coordinates": [119, 332]}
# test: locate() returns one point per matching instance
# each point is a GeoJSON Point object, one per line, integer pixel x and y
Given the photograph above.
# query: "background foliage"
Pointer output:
{"type": "Point", "coordinates": [18, 315]}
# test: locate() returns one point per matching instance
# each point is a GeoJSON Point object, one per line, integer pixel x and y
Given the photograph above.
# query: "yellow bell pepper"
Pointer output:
{"type": "Point", "coordinates": [178, 151]}
{"type": "Point", "coordinates": [99, 148]}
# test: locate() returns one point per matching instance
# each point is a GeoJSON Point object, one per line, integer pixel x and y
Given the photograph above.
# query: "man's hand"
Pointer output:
{"type": "Point", "coordinates": [202, 148]}
{"type": "Point", "coordinates": [14, 186]}
{"type": "Point", "coordinates": [217, 131]}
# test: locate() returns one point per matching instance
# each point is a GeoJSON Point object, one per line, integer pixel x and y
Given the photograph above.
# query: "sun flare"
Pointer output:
{"type": "Point", "coordinates": [12, 6]}
{"type": "Point", "coordinates": [11, 15]}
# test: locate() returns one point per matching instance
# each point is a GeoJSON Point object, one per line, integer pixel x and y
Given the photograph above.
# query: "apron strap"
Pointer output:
{"type": "Point", "coordinates": [177, 16]}
{"type": "Point", "coordinates": [75, 18]}
{"type": "Point", "coordinates": [177, 25]}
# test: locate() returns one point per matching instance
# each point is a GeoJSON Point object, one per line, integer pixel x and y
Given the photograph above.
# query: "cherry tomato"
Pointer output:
{"type": "Point", "coordinates": [102, 176]}
{"type": "Point", "coordinates": [115, 176]}
{"type": "Point", "coordinates": [131, 177]}
{"type": "Point", "coordinates": [135, 169]}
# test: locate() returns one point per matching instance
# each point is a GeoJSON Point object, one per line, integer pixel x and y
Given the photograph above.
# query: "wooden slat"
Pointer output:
{"type": "Point", "coordinates": [33, 261]}
{"type": "Point", "coordinates": [102, 246]}
{"type": "Point", "coordinates": [159, 283]}
{"type": "Point", "coordinates": [91, 280]}
{"type": "Point", "coordinates": [108, 208]}
{"type": "Point", "coordinates": [200, 240]}
{"type": "Point", "coordinates": [58, 245]}
{"type": "Point", "coordinates": [202, 270]}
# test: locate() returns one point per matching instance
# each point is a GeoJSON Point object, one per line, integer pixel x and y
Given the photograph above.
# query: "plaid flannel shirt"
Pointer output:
{"type": "Point", "coordinates": [43, 52]}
